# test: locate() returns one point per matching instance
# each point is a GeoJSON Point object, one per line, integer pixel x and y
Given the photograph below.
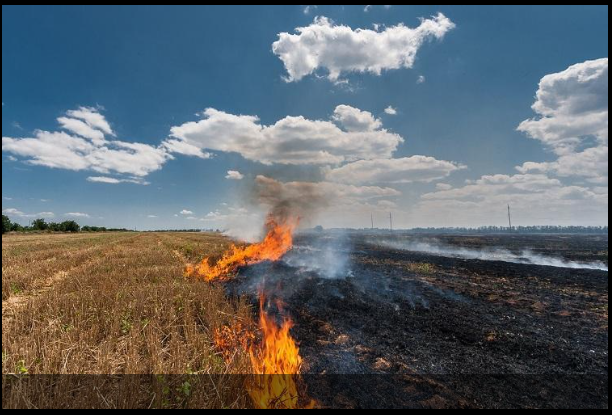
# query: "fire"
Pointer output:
{"type": "Point", "coordinates": [276, 361]}
{"type": "Point", "coordinates": [278, 240]}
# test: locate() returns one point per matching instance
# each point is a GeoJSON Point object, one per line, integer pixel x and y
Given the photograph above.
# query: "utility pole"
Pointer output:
{"type": "Point", "coordinates": [372, 220]}
{"type": "Point", "coordinates": [390, 221]}
{"type": "Point", "coordinates": [509, 219]}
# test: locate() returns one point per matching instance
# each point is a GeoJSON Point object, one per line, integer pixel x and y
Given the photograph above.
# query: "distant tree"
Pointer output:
{"type": "Point", "coordinates": [69, 226]}
{"type": "Point", "coordinates": [40, 225]}
{"type": "Point", "coordinates": [6, 224]}
{"type": "Point", "coordinates": [15, 227]}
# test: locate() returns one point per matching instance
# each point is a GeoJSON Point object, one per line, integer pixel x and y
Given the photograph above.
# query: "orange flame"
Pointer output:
{"type": "Point", "coordinates": [277, 242]}
{"type": "Point", "coordinates": [277, 360]}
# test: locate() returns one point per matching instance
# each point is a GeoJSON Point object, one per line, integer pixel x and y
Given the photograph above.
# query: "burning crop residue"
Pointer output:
{"type": "Point", "coordinates": [276, 361]}
{"type": "Point", "coordinates": [275, 358]}
{"type": "Point", "coordinates": [278, 240]}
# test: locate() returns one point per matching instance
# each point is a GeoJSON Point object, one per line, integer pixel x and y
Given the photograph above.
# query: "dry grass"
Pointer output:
{"type": "Point", "coordinates": [117, 304]}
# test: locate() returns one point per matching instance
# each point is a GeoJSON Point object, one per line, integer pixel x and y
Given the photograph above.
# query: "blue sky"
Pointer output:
{"type": "Point", "coordinates": [149, 69]}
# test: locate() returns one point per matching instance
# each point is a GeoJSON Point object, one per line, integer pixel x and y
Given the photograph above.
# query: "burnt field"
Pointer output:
{"type": "Point", "coordinates": [446, 321]}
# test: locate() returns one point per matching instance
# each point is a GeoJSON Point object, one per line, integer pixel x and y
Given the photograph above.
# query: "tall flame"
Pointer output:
{"type": "Point", "coordinates": [276, 361]}
{"type": "Point", "coordinates": [276, 243]}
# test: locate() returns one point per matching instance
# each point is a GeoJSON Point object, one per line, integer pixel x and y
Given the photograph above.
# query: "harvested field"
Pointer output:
{"type": "Point", "coordinates": [114, 304]}
{"type": "Point", "coordinates": [378, 324]}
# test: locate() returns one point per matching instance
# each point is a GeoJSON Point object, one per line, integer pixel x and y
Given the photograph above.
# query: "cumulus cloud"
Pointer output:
{"type": "Point", "coordinates": [234, 175]}
{"type": "Point", "coordinates": [536, 199]}
{"type": "Point", "coordinates": [77, 215]}
{"type": "Point", "coordinates": [183, 147]}
{"type": "Point", "coordinates": [398, 170]}
{"type": "Point", "coordinates": [186, 212]}
{"type": "Point", "coordinates": [84, 146]}
{"type": "Point", "coordinates": [420, 79]}
{"type": "Point", "coordinates": [354, 119]}
{"type": "Point", "coordinates": [390, 110]}
{"type": "Point", "coordinates": [12, 212]}
{"type": "Point", "coordinates": [351, 134]}
{"type": "Point", "coordinates": [590, 164]}
{"type": "Point", "coordinates": [339, 49]}
{"type": "Point", "coordinates": [571, 105]}
{"type": "Point", "coordinates": [572, 108]}
{"type": "Point", "coordinates": [572, 121]}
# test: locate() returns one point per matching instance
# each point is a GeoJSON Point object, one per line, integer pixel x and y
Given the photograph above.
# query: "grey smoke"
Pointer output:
{"type": "Point", "coordinates": [327, 257]}
{"type": "Point", "coordinates": [526, 256]}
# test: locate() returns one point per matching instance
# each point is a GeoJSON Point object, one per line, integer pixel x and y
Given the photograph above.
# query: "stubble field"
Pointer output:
{"type": "Point", "coordinates": [116, 303]}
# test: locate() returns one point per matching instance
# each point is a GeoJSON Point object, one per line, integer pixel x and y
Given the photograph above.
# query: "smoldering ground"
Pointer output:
{"type": "Point", "coordinates": [434, 246]}
{"type": "Point", "coordinates": [399, 312]}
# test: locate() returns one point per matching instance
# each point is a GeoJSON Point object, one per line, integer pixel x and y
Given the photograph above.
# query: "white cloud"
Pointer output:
{"type": "Point", "coordinates": [186, 212]}
{"type": "Point", "coordinates": [84, 147]}
{"type": "Point", "coordinates": [369, 7]}
{"type": "Point", "coordinates": [536, 199]}
{"type": "Point", "coordinates": [292, 140]}
{"type": "Point", "coordinates": [151, 216]}
{"type": "Point", "coordinates": [339, 49]}
{"type": "Point", "coordinates": [308, 9]}
{"type": "Point", "coordinates": [183, 147]}
{"type": "Point", "coordinates": [443, 186]}
{"type": "Point", "coordinates": [399, 170]}
{"type": "Point", "coordinates": [19, 214]}
{"type": "Point", "coordinates": [497, 185]}
{"type": "Point", "coordinates": [93, 118]}
{"type": "Point", "coordinates": [420, 79]}
{"type": "Point", "coordinates": [572, 121]}
{"type": "Point", "coordinates": [354, 119]}
{"type": "Point", "coordinates": [572, 106]}
{"type": "Point", "coordinates": [82, 129]}
{"type": "Point", "coordinates": [113, 180]}
{"type": "Point", "coordinates": [390, 110]}
{"type": "Point", "coordinates": [591, 164]}
{"type": "Point", "coordinates": [6, 198]}
{"type": "Point", "coordinates": [77, 215]}
{"type": "Point", "coordinates": [234, 175]}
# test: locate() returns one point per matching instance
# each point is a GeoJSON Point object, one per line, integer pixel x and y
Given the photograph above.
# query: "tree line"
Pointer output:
{"type": "Point", "coordinates": [41, 225]}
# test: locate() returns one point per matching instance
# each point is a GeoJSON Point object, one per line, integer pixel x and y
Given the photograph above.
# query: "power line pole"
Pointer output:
{"type": "Point", "coordinates": [390, 221]}
{"type": "Point", "coordinates": [509, 219]}
{"type": "Point", "coordinates": [372, 220]}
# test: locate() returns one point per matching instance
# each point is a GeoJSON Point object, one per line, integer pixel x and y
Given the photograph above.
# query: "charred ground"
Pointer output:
{"type": "Point", "coordinates": [410, 329]}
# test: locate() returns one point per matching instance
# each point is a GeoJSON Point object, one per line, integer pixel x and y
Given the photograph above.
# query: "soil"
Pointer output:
{"type": "Point", "coordinates": [399, 328]}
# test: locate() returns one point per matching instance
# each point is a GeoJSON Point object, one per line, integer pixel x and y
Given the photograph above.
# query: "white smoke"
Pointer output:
{"type": "Point", "coordinates": [328, 257]}
{"type": "Point", "coordinates": [526, 256]}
